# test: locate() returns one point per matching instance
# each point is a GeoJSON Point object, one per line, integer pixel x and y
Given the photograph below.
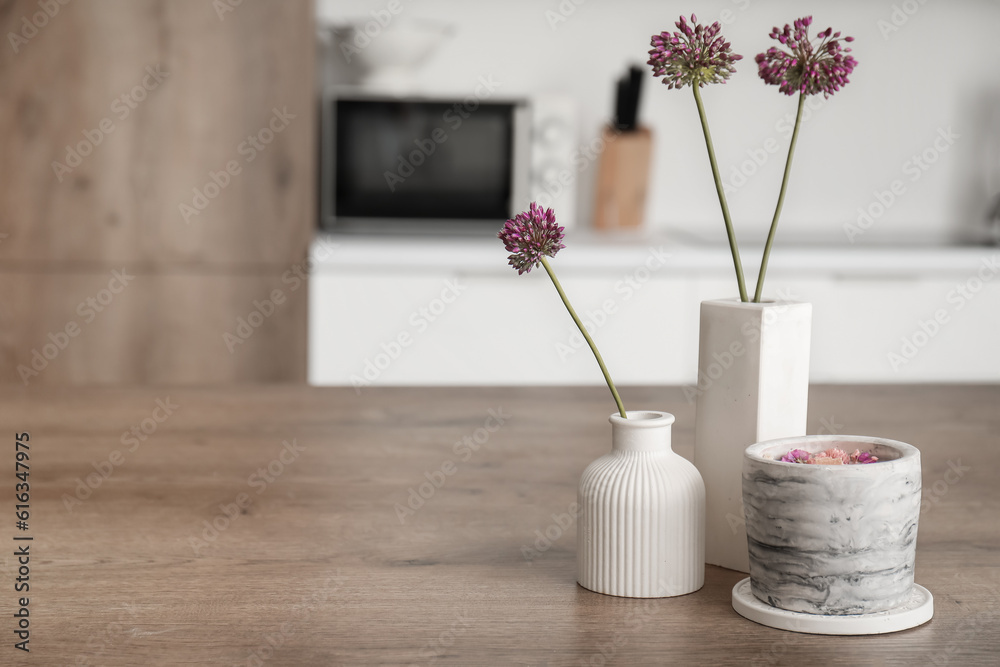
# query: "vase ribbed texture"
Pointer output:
{"type": "Point", "coordinates": [641, 527]}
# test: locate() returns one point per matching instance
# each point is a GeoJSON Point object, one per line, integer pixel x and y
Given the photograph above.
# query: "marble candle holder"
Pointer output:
{"type": "Point", "coordinates": [832, 540]}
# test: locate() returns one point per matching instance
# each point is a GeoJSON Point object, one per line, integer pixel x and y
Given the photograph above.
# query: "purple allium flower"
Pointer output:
{"type": "Point", "coordinates": [809, 68]}
{"type": "Point", "coordinates": [694, 56]}
{"type": "Point", "coordinates": [797, 456]}
{"type": "Point", "coordinates": [529, 235]}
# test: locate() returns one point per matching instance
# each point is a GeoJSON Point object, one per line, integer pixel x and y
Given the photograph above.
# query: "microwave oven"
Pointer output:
{"type": "Point", "coordinates": [432, 164]}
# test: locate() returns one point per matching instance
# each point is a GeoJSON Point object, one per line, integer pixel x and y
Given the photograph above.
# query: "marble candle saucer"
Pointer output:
{"type": "Point", "coordinates": [917, 610]}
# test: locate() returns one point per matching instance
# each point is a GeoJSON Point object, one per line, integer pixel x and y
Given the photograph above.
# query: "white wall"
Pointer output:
{"type": "Point", "coordinates": [938, 70]}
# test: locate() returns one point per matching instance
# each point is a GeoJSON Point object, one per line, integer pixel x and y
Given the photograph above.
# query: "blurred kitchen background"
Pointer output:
{"type": "Point", "coordinates": [196, 192]}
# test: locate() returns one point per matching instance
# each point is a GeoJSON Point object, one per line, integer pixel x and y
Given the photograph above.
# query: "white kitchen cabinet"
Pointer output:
{"type": "Point", "coordinates": [450, 312]}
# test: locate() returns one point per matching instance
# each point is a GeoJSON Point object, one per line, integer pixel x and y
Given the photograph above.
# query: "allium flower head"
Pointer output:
{"type": "Point", "coordinates": [809, 68]}
{"type": "Point", "coordinates": [695, 55]}
{"type": "Point", "coordinates": [529, 235]}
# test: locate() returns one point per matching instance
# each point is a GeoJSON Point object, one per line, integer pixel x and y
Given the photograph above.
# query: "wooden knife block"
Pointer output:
{"type": "Point", "coordinates": [622, 179]}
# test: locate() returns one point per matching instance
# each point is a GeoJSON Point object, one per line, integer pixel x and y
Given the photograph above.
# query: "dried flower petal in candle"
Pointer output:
{"type": "Point", "coordinates": [831, 457]}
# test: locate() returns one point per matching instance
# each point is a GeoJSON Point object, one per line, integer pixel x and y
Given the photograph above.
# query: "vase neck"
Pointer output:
{"type": "Point", "coordinates": [643, 431]}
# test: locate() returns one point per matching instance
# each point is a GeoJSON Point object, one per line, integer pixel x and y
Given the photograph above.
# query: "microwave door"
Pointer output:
{"type": "Point", "coordinates": [418, 165]}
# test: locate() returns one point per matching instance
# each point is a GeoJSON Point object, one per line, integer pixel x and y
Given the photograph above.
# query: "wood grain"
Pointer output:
{"type": "Point", "coordinates": [166, 95]}
{"type": "Point", "coordinates": [320, 563]}
{"type": "Point", "coordinates": [623, 178]}
{"type": "Point", "coordinates": [173, 328]}
{"type": "Point", "coordinates": [221, 80]}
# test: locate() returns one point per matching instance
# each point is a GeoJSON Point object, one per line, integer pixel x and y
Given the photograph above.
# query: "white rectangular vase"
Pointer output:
{"type": "Point", "coordinates": [753, 385]}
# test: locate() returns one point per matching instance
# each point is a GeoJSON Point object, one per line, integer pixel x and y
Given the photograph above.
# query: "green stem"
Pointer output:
{"type": "Point", "coordinates": [722, 195]}
{"type": "Point", "coordinates": [583, 330]}
{"type": "Point", "coordinates": [781, 201]}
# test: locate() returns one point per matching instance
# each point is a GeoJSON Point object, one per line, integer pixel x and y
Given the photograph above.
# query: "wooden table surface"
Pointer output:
{"type": "Point", "coordinates": [319, 566]}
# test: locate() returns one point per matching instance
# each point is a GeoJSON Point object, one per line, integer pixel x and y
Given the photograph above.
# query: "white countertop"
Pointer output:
{"type": "Point", "coordinates": [589, 251]}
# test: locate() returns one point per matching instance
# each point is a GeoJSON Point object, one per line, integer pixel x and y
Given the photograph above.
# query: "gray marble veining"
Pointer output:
{"type": "Point", "coordinates": [832, 539]}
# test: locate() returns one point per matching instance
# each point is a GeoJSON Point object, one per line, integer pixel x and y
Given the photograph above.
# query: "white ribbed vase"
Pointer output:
{"type": "Point", "coordinates": [641, 530]}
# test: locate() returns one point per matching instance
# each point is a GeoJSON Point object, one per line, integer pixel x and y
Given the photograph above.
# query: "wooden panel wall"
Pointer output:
{"type": "Point", "coordinates": [203, 91]}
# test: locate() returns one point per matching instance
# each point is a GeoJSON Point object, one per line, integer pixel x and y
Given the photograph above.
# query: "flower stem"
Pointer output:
{"type": "Point", "coordinates": [781, 201]}
{"type": "Point", "coordinates": [586, 335]}
{"type": "Point", "coordinates": [722, 195]}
